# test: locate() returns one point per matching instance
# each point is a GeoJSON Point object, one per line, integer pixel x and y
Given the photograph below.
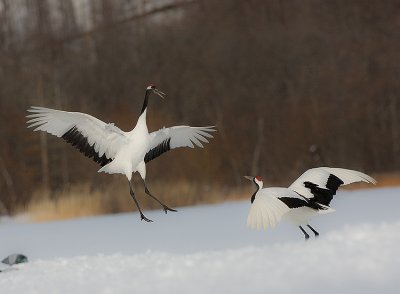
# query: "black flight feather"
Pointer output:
{"type": "Point", "coordinates": [80, 142]}
{"type": "Point", "coordinates": [161, 148]}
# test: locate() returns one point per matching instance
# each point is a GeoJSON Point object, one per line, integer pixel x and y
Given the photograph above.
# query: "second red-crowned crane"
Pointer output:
{"type": "Point", "coordinates": [308, 196]}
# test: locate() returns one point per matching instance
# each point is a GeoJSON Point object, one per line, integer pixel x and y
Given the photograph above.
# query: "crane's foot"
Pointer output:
{"type": "Point", "coordinates": [314, 231]}
{"type": "Point", "coordinates": [306, 236]}
{"type": "Point", "coordinates": [142, 217]}
{"type": "Point", "coordinates": [166, 209]}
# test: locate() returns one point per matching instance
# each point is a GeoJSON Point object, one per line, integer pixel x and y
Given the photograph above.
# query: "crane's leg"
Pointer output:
{"type": "Point", "coordinates": [141, 168]}
{"type": "Point", "coordinates": [314, 231]}
{"type": "Point", "coordinates": [142, 217]}
{"type": "Point", "coordinates": [305, 233]}
{"type": "Point", "coordinates": [165, 207]}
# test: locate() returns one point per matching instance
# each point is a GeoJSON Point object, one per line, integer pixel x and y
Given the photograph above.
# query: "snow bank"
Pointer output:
{"type": "Point", "coordinates": [209, 249]}
{"type": "Point", "coordinates": [357, 259]}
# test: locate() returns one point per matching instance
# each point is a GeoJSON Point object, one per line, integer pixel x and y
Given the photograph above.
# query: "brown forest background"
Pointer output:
{"type": "Point", "coordinates": [289, 85]}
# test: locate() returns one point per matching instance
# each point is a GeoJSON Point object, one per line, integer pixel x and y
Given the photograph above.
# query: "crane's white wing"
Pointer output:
{"type": "Point", "coordinates": [267, 209]}
{"type": "Point", "coordinates": [89, 135]}
{"type": "Point", "coordinates": [321, 183]}
{"type": "Point", "coordinates": [166, 139]}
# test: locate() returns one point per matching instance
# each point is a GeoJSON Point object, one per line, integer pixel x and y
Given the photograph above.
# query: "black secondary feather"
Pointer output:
{"type": "Point", "coordinates": [161, 148]}
{"type": "Point", "coordinates": [80, 142]}
{"type": "Point", "coordinates": [324, 195]}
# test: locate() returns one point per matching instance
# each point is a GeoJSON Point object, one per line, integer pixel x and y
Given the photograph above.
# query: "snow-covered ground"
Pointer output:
{"type": "Point", "coordinates": [209, 249]}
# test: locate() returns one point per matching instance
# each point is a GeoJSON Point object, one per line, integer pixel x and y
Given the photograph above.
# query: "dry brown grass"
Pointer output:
{"type": "Point", "coordinates": [383, 180]}
{"type": "Point", "coordinates": [77, 201]}
{"type": "Point", "coordinates": [388, 180]}
{"type": "Point", "coordinates": [82, 200]}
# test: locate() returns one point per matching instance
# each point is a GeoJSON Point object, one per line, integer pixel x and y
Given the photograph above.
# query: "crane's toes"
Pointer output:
{"type": "Point", "coordinates": [166, 209]}
{"type": "Point", "coordinates": [142, 217]}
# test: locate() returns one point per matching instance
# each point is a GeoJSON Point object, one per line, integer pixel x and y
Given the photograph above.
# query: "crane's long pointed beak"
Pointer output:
{"type": "Point", "coordinates": [159, 93]}
{"type": "Point", "coordinates": [249, 178]}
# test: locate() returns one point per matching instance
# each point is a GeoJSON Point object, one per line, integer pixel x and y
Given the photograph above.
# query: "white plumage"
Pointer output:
{"type": "Point", "coordinates": [106, 139]}
{"type": "Point", "coordinates": [181, 136]}
{"type": "Point", "coordinates": [320, 175]}
{"type": "Point", "coordinates": [267, 210]}
{"type": "Point", "coordinates": [115, 150]}
{"type": "Point", "coordinates": [308, 196]}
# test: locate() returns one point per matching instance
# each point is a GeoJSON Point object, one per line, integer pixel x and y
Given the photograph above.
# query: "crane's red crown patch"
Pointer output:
{"type": "Point", "coordinates": [258, 178]}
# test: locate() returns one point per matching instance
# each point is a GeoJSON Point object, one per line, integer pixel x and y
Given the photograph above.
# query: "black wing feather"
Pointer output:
{"type": "Point", "coordinates": [161, 148]}
{"type": "Point", "coordinates": [324, 195]}
{"type": "Point", "coordinates": [80, 142]}
{"type": "Point", "coordinates": [333, 183]}
{"type": "Point", "coordinates": [292, 202]}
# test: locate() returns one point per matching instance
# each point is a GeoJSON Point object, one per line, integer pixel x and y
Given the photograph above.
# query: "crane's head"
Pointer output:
{"type": "Point", "coordinates": [256, 180]}
{"type": "Point", "coordinates": [152, 89]}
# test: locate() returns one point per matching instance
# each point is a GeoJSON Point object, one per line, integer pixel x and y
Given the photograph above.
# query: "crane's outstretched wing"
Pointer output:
{"type": "Point", "coordinates": [267, 209]}
{"type": "Point", "coordinates": [166, 139]}
{"type": "Point", "coordinates": [91, 136]}
{"type": "Point", "coordinates": [320, 184]}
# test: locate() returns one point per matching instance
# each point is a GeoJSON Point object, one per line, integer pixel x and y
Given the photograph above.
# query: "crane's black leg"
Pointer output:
{"type": "Point", "coordinates": [305, 233]}
{"type": "Point", "coordinates": [146, 190]}
{"type": "Point", "coordinates": [142, 217]}
{"type": "Point", "coordinates": [314, 231]}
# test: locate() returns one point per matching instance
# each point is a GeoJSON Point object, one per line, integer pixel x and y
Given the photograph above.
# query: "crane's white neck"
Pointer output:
{"type": "Point", "coordinates": [141, 123]}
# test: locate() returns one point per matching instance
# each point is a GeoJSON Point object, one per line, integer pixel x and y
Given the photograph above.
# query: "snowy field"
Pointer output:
{"type": "Point", "coordinates": [209, 249]}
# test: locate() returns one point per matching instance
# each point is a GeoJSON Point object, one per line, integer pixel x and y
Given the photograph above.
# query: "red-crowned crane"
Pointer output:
{"type": "Point", "coordinates": [115, 150]}
{"type": "Point", "coordinates": [309, 196]}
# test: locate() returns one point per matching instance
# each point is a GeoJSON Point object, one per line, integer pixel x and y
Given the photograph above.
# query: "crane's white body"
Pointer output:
{"type": "Point", "coordinates": [302, 215]}
{"type": "Point", "coordinates": [130, 156]}
{"type": "Point", "coordinates": [296, 204]}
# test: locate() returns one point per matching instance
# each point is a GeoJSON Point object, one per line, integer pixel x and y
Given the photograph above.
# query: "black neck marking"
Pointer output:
{"type": "Point", "coordinates": [146, 100]}
{"type": "Point", "coordinates": [253, 197]}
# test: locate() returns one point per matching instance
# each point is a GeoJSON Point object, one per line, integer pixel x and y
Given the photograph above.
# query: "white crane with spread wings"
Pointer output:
{"type": "Point", "coordinates": [115, 150]}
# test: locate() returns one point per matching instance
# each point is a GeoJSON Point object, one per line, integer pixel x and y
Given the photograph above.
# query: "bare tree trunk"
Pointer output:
{"type": "Point", "coordinates": [44, 152]}
{"type": "Point", "coordinates": [255, 166]}
{"type": "Point", "coordinates": [225, 142]}
{"type": "Point", "coordinates": [395, 129]}
{"type": "Point", "coordinates": [64, 160]}
{"type": "Point", "coordinates": [10, 186]}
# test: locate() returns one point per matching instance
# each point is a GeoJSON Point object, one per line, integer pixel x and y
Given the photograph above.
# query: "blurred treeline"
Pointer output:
{"type": "Point", "coordinates": [289, 85]}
